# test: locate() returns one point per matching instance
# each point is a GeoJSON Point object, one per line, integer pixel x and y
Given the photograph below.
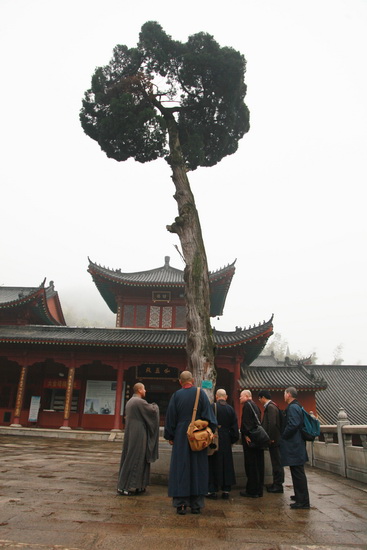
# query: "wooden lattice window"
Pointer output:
{"type": "Point", "coordinates": [166, 317]}
{"type": "Point", "coordinates": [128, 318]}
{"type": "Point", "coordinates": [180, 319]}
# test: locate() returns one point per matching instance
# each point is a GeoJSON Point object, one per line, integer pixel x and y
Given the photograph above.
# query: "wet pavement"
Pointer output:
{"type": "Point", "coordinates": [60, 494]}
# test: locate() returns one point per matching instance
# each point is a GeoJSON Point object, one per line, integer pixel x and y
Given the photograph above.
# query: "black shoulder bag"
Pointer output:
{"type": "Point", "coordinates": [259, 437]}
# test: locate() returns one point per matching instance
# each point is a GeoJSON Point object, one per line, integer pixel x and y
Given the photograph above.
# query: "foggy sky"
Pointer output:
{"type": "Point", "coordinates": [288, 205]}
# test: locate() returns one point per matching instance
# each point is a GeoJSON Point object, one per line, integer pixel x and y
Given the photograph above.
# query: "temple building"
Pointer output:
{"type": "Point", "coordinates": [58, 376]}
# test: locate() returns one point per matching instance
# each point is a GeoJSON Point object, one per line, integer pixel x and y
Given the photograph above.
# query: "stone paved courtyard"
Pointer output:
{"type": "Point", "coordinates": [60, 494]}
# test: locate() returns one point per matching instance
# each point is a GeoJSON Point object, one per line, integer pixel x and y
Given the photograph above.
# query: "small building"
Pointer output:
{"type": "Point", "coordinates": [322, 389]}
{"type": "Point", "coordinates": [265, 372]}
{"type": "Point", "coordinates": [57, 376]}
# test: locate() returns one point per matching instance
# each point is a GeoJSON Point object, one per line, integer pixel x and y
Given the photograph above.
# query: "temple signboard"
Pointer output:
{"type": "Point", "coordinates": [154, 371]}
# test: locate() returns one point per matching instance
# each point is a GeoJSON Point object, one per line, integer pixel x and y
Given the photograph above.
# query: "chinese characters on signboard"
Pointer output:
{"type": "Point", "coordinates": [59, 384]}
{"type": "Point", "coordinates": [158, 296]}
{"type": "Point", "coordinates": [156, 371]}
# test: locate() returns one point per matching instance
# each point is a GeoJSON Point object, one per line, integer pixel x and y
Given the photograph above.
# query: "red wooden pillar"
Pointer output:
{"type": "Point", "coordinates": [117, 425]}
{"type": "Point", "coordinates": [20, 398]}
{"type": "Point", "coordinates": [68, 397]}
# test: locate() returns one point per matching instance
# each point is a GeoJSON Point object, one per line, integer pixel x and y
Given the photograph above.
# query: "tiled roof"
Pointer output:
{"type": "Point", "coordinates": [15, 299]}
{"type": "Point", "coordinates": [278, 378]}
{"type": "Point", "coordinates": [265, 361]}
{"type": "Point", "coordinates": [11, 295]}
{"type": "Point", "coordinates": [108, 280]}
{"type": "Point", "coordinates": [165, 275]}
{"type": "Point", "coordinates": [347, 389]}
{"type": "Point", "coordinates": [132, 338]}
{"type": "Point", "coordinates": [14, 295]}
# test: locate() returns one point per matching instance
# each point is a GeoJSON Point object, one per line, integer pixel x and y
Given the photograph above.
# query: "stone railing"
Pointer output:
{"type": "Point", "coordinates": [343, 450]}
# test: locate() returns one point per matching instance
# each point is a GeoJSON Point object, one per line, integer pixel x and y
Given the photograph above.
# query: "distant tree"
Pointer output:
{"type": "Point", "coordinates": [183, 102]}
{"type": "Point", "coordinates": [279, 347]}
{"type": "Point", "coordinates": [338, 351]}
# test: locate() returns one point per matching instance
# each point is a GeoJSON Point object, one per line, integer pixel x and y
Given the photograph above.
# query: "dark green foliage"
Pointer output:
{"type": "Point", "coordinates": [133, 99]}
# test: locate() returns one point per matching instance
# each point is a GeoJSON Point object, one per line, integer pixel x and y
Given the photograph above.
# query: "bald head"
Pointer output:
{"type": "Point", "coordinates": [139, 389]}
{"type": "Point", "coordinates": [186, 377]}
{"type": "Point", "coordinates": [221, 394]}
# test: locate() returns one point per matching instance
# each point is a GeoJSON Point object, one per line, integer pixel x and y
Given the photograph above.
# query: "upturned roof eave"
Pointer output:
{"type": "Point", "coordinates": [37, 301]}
{"type": "Point", "coordinates": [132, 279]}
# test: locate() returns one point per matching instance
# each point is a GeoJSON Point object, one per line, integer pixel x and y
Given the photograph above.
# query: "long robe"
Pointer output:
{"type": "Point", "coordinates": [221, 468]}
{"type": "Point", "coordinates": [140, 446]}
{"type": "Point", "coordinates": [188, 469]}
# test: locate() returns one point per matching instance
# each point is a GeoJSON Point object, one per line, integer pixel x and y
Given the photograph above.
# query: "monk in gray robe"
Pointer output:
{"type": "Point", "coordinates": [140, 447]}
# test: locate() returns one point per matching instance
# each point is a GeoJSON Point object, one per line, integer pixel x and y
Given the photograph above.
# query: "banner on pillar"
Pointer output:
{"type": "Point", "coordinates": [34, 408]}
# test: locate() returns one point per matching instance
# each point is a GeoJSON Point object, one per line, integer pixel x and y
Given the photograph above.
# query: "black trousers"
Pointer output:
{"type": "Point", "coordinates": [254, 468]}
{"type": "Point", "coordinates": [278, 470]}
{"type": "Point", "coordinates": [300, 487]}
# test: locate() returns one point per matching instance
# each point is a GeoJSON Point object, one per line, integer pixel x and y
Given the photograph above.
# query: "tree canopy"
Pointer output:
{"type": "Point", "coordinates": [131, 101]}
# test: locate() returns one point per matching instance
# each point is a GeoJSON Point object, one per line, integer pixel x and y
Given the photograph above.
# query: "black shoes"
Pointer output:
{"type": "Point", "coordinates": [181, 510]}
{"type": "Point", "coordinates": [300, 506]}
{"type": "Point", "coordinates": [244, 494]}
{"type": "Point", "coordinates": [225, 495]}
{"type": "Point", "coordinates": [293, 497]}
{"type": "Point", "coordinates": [125, 493]}
{"type": "Point", "coordinates": [275, 489]}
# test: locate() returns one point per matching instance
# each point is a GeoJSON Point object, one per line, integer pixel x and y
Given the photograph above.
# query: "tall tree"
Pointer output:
{"type": "Point", "coordinates": [183, 102]}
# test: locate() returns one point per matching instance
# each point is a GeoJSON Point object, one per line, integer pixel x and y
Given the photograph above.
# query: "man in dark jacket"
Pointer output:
{"type": "Point", "coordinates": [272, 425]}
{"type": "Point", "coordinates": [293, 449]}
{"type": "Point", "coordinates": [221, 468]}
{"type": "Point", "coordinates": [188, 475]}
{"type": "Point", "coordinates": [254, 456]}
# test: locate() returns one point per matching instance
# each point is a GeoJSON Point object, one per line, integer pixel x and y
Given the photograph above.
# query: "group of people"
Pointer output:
{"type": "Point", "coordinates": [194, 476]}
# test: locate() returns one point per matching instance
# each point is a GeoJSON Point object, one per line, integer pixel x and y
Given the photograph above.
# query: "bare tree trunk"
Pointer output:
{"type": "Point", "coordinates": [200, 343]}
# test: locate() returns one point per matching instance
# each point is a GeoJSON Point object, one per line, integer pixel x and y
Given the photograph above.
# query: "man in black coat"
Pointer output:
{"type": "Point", "coordinates": [293, 449]}
{"type": "Point", "coordinates": [221, 468]}
{"type": "Point", "coordinates": [254, 456]}
{"type": "Point", "coordinates": [271, 423]}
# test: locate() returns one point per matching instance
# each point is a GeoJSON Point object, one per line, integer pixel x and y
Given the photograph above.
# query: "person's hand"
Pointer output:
{"type": "Point", "coordinates": [248, 440]}
{"type": "Point", "coordinates": [170, 441]}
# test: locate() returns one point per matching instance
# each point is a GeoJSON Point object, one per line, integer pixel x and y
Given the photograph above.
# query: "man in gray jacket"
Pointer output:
{"type": "Point", "coordinates": [293, 449]}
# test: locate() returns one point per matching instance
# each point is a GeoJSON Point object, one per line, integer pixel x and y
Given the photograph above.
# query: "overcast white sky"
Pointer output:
{"type": "Point", "coordinates": [289, 205]}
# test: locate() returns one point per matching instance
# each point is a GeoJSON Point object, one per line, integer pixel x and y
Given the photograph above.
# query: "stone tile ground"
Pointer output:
{"type": "Point", "coordinates": [59, 494]}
